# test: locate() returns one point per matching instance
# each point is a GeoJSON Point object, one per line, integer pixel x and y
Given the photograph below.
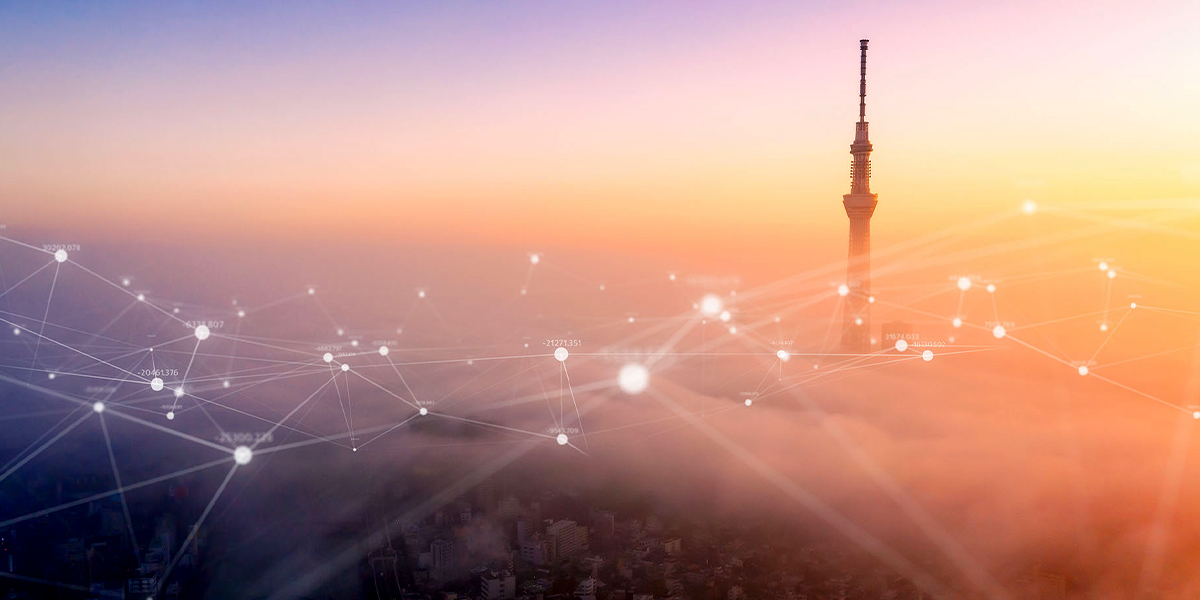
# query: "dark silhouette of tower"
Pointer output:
{"type": "Point", "coordinates": [860, 205]}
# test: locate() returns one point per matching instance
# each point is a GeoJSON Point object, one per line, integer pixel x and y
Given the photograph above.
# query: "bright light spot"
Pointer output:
{"type": "Point", "coordinates": [783, 355]}
{"type": "Point", "coordinates": [562, 439]}
{"type": "Point", "coordinates": [561, 354]}
{"type": "Point", "coordinates": [1112, 273]}
{"type": "Point", "coordinates": [671, 277]}
{"type": "Point", "coordinates": [354, 343]}
{"type": "Point", "coordinates": [202, 332]}
{"type": "Point", "coordinates": [179, 392]}
{"type": "Point", "coordinates": [345, 367]}
{"type": "Point", "coordinates": [51, 376]}
{"type": "Point", "coordinates": [421, 294]}
{"type": "Point", "coordinates": [901, 345]}
{"type": "Point", "coordinates": [98, 407]}
{"type": "Point", "coordinates": [341, 331]}
{"type": "Point", "coordinates": [225, 383]}
{"type": "Point", "coordinates": [858, 321]}
{"type": "Point", "coordinates": [1083, 370]}
{"type": "Point", "coordinates": [843, 290]}
{"type": "Point", "coordinates": [175, 310]}
{"type": "Point", "coordinates": [60, 255]}
{"type": "Point", "coordinates": [733, 330]}
{"type": "Point", "coordinates": [171, 415]}
{"type": "Point", "coordinates": [242, 455]}
{"type": "Point", "coordinates": [383, 350]}
{"type": "Point", "coordinates": [778, 319]}
{"type": "Point", "coordinates": [141, 297]}
{"type": "Point", "coordinates": [156, 384]}
{"type": "Point", "coordinates": [16, 331]}
{"type": "Point", "coordinates": [1104, 327]}
{"type": "Point", "coordinates": [964, 283]}
{"type": "Point", "coordinates": [1029, 207]}
{"type": "Point", "coordinates": [871, 299]}
{"type": "Point", "coordinates": [725, 316]}
{"type": "Point", "coordinates": [424, 411]}
{"type": "Point", "coordinates": [241, 313]}
{"type": "Point", "coordinates": [328, 357]}
{"type": "Point", "coordinates": [602, 288]}
{"type": "Point", "coordinates": [711, 305]}
{"type": "Point", "coordinates": [125, 282]}
{"type": "Point", "coordinates": [1196, 415]}
{"type": "Point", "coordinates": [630, 319]}
{"type": "Point", "coordinates": [957, 322]}
{"type": "Point", "coordinates": [991, 288]}
{"type": "Point", "coordinates": [927, 355]}
{"type": "Point", "coordinates": [998, 331]}
{"type": "Point", "coordinates": [312, 291]}
{"type": "Point", "coordinates": [524, 291]}
{"type": "Point", "coordinates": [1103, 266]}
{"type": "Point", "coordinates": [533, 259]}
{"type": "Point", "coordinates": [749, 402]}
{"type": "Point", "coordinates": [633, 378]}
{"type": "Point", "coordinates": [1133, 305]}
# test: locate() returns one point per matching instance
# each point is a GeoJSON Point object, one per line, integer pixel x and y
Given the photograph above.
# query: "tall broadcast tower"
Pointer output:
{"type": "Point", "coordinates": [860, 205]}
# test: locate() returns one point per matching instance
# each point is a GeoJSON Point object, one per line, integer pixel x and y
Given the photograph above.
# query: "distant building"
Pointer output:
{"type": "Point", "coordinates": [441, 554]}
{"type": "Point", "coordinates": [498, 585]}
{"type": "Point", "coordinates": [569, 538]}
{"type": "Point", "coordinates": [537, 550]}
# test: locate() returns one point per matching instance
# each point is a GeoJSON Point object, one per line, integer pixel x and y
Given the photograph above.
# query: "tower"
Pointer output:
{"type": "Point", "coordinates": [860, 205]}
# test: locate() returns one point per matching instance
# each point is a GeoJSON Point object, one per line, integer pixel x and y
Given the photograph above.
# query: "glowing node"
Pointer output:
{"type": "Point", "coordinates": [1133, 305]}
{"type": "Point", "coordinates": [354, 449]}
{"type": "Point", "coordinates": [202, 332]}
{"type": "Point", "coordinates": [98, 407]}
{"type": "Point", "coordinates": [957, 322]}
{"type": "Point", "coordinates": [783, 355]}
{"type": "Point", "coordinates": [991, 288]}
{"type": "Point", "coordinates": [630, 319]}
{"type": "Point", "coordinates": [51, 376]}
{"type": "Point", "coordinates": [1083, 370]}
{"type": "Point", "coordinates": [602, 288]}
{"type": "Point", "coordinates": [328, 357]}
{"type": "Point", "coordinates": [1029, 207]}
{"type": "Point", "coordinates": [562, 439]}
{"type": "Point", "coordinates": [1196, 415]}
{"type": "Point", "coordinates": [1111, 273]}
{"type": "Point", "coordinates": [156, 384]}
{"type": "Point", "coordinates": [671, 277]}
{"type": "Point", "coordinates": [312, 291]}
{"type": "Point", "coordinates": [345, 366]}
{"type": "Point", "coordinates": [858, 321]}
{"type": "Point", "coordinates": [749, 402]}
{"type": "Point", "coordinates": [524, 291]}
{"type": "Point", "coordinates": [964, 283]}
{"type": "Point", "coordinates": [901, 345]}
{"type": "Point", "coordinates": [424, 411]}
{"type": "Point", "coordinates": [871, 299]}
{"type": "Point", "coordinates": [421, 294]}
{"type": "Point", "coordinates": [533, 259]}
{"type": "Point", "coordinates": [998, 331]}
{"type": "Point", "coordinates": [725, 316]}
{"type": "Point", "coordinates": [125, 282]}
{"type": "Point", "coordinates": [354, 343]}
{"type": "Point", "coordinates": [733, 330]}
{"type": "Point", "coordinates": [178, 392]}
{"type": "Point", "coordinates": [241, 313]}
{"type": "Point", "coordinates": [341, 331]}
{"type": "Point", "coordinates": [242, 455]}
{"type": "Point", "coordinates": [843, 290]}
{"type": "Point", "coordinates": [141, 297]}
{"type": "Point", "coordinates": [950, 339]}
{"type": "Point", "coordinates": [711, 305]}
{"type": "Point", "coordinates": [171, 415]}
{"type": "Point", "coordinates": [816, 366]}
{"type": "Point", "coordinates": [383, 350]}
{"type": "Point", "coordinates": [225, 383]}
{"type": "Point", "coordinates": [1103, 266]}
{"type": "Point", "coordinates": [927, 355]}
{"type": "Point", "coordinates": [633, 378]}
{"type": "Point", "coordinates": [778, 319]}
{"type": "Point", "coordinates": [175, 310]}
{"type": "Point", "coordinates": [561, 354]}
{"type": "Point", "coordinates": [470, 362]}
{"type": "Point", "coordinates": [1104, 327]}
{"type": "Point", "coordinates": [16, 331]}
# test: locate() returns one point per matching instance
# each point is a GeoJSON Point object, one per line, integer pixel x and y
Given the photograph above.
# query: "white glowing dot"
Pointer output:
{"type": "Point", "coordinates": [241, 313]}
{"type": "Point", "coordinates": [964, 283]}
{"type": "Point", "coordinates": [725, 316]}
{"type": "Point", "coordinates": [533, 259]}
{"type": "Point", "coordinates": [421, 294]}
{"type": "Point", "coordinates": [562, 439]}
{"type": "Point", "coordinates": [1111, 273]}
{"type": "Point", "coordinates": [156, 384]}
{"type": "Point", "coordinates": [202, 332]}
{"type": "Point", "coordinates": [470, 362]}
{"type": "Point", "coordinates": [98, 407]}
{"type": "Point", "coordinates": [345, 366]}
{"type": "Point", "coordinates": [311, 291]}
{"type": "Point", "coordinates": [749, 402]}
{"type": "Point", "coordinates": [733, 330]}
{"type": "Point", "coordinates": [1029, 207]}
{"type": "Point", "coordinates": [242, 455]}
{"type": "Point", "coordinates": [171, 415]}
{"type": "Point", "coordinates": [125, 282]}
{"type": "Point", "coordinates": [141, 297]}
{"type": "Point", "coordinates": [561, 354]}
{"type": "Point", "coordinates": [950, 339]}
{"type": "Point", "coordinates": [175, 310]}
{"type": "Point", "coordinates": [843, 290]}
{"type": "Point", "coordinates": [16, 331]}
{"type": "Point", "coordinates": [778, 318]}
{"type": "Point", "coordinates": [998, 331]}
{"type": "Point", "coordinates": [383, 350]}
{"type": "Point", "coordinates": [1083, 370]}
{"type": "Point", "coordinates": [871, 299]}
{"type": "Point", "coordinates": [526, 344]}
{"type": "Point", "coordinates": [858, 321]}
{"type": "Point", "coordinates": [927, 355]}
{"type": "Point", "coordinates": [354, 449]}
{"type": "Point", "coordinates": [60, 255]}
{"type": "Point", "coordinates": [1133, 305]}
{"type": "Point", "coordinates": [1104, 327]}
{"type": "Point", "coordinates": [51, 376]}
{"type": "Point", "coordinates": [901, 345]}
{"type": "Point", "coordinates": [957, 322]}
{"type": "Point", "coordinates": [424, 411]}
{"type": "Point", "coordinates": [1103, 266]}
{"type": "Point", "coordinates": [1196, 415]}
{"type": "Point", "coordinates": [225, 383]}
{"type": "Point", "coordinates": [630, 319]}
{"type": "Point", "coordinates": [327, 357]}
{"type": "Point", "coordinates": [179, 392]}
{"type": "Point", "coordinates": [711, 305]}
{"type": "Point", "coordinates": [671, 277]}
{"type": "Point", "coordinates": [783, 355]}
{"type": "Point", "coordinates": [602, 288]}
{"type": "Point", "coordinates": [524, 291]}
{"type": "Point", "coordinates": [991, 288]}
{"type": "Point", "coordinates": [341, 331]}
{"type": "Point", "coordinates": [354, 343]}
{"type": "Point", "coordinates": [633, 378]}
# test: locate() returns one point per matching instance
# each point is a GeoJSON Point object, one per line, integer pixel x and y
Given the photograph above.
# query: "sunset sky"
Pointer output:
{"type": "Point", "coordinates": [582, 123]}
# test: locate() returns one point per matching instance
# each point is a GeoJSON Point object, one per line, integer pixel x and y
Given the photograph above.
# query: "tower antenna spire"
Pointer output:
{"type": "Point", "coordinates": [862, 82]}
